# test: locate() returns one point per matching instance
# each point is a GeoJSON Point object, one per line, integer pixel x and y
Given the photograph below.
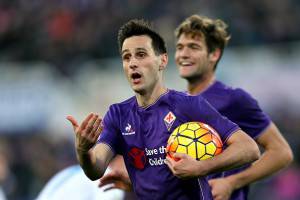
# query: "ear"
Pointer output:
{"type": "Point", "coordinates": [163, 61]}
{"type": "Point", "coordinates": [215, 55]}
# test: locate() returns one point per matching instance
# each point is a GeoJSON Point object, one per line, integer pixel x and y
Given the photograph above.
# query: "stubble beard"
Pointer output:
{"type": "Point", "coordinates": [195, 78]}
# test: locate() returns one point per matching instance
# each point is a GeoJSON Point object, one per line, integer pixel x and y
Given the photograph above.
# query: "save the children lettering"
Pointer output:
{"type": "Point", "coordinates": [156, 156]}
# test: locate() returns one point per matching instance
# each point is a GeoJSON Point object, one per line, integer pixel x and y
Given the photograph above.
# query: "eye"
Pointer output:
{"type": "Point", "coordinates": [141, 54]}
{"type": "Point", "coordinates": [195, 46]}
{"type": "Point", "coordinates": [179, 47]}
{"type": "Point", "coordinates": [125, 57]}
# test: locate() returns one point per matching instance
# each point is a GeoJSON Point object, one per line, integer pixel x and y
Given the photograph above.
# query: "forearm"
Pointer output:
{"type": "Point", "coordinates": [269, 163]}
{"type": "Point", "coordinates": [95, 161]}
{"type": "Point", "coordinates": [87, 161]}
{"type": "Point", "coordinates": [242, 151]}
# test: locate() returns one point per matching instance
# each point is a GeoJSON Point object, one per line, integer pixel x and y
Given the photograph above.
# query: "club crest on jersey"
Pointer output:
{"type": "Point", "coordinates": [128, 130]}
{"type": "Point", "coordinates": [169, 120]}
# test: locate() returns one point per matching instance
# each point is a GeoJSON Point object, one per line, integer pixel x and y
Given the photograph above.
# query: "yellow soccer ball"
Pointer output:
{"type": "Point", "coordinates": [196, 139]}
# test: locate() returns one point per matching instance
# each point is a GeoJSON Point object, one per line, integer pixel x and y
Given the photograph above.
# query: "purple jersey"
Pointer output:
{"type": "Point", "coordinates": [242, 109]}
{"type": "Point", "coordinates": [141, 134]}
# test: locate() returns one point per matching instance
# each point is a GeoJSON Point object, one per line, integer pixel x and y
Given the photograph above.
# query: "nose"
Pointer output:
{"type": "Point", "coordinates": [133, 63]}
{"type": "Point", "coordinates": [183, 53]}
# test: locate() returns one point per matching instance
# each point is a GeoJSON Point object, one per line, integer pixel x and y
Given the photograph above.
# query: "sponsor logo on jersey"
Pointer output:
{"type": "Point", "coordinates": [128, 130]}
{"type": "Point", "coordinates": [169, 120]}
{"type": "Point", "coordinates": [137, 158]}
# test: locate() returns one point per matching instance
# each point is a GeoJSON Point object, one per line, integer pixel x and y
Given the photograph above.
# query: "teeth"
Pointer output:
{"type": "Point", "coordinates": [186, 63]}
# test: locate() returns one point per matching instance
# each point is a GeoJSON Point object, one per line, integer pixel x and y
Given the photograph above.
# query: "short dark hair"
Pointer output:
{"type": "Point", "coordinates": [138, 27]}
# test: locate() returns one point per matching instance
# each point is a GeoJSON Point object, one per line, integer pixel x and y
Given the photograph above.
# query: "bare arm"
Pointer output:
{"type": "Point", "coordinates": [277, 155]}
{"type": "Point", "coordinates": [241, 150]}
{"type": "Point", "coordinates": [117, 176]}
{"type": "Point", "coordinates": [93, 159]}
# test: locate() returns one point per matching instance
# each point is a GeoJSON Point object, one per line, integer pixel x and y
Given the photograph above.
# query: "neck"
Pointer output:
{"type": "Point", "coordinates": [199, 85]}
{"type": "Point", "coordinates": [150, 97]}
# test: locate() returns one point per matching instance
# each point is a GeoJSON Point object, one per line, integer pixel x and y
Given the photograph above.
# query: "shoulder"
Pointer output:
{"type": "Point", "coordinates": [236, 95]}
{"type": "Point", "coordinates": [182, 96]}
{"type": "Point", "coordinates": [186, 103]}
{"type": "Point", "coordinates": [241, 97]}
{"type": "Point", "coordinates": [124, 105]}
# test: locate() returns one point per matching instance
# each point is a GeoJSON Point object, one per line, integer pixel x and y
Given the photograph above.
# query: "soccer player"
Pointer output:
{"type": "Point", "coordinates": [139, 127]}
{"type": "Point", "coordinates": [200, 45]}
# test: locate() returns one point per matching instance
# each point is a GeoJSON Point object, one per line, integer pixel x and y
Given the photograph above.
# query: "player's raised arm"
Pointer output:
{"type": "Point", "coordinates": [93, 159]}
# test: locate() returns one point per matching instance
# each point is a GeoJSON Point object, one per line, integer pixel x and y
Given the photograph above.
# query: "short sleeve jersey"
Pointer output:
{"type": "Point", "coordinates": [141, 134]}
{"type": "Point", "coordinates": [242, 109]}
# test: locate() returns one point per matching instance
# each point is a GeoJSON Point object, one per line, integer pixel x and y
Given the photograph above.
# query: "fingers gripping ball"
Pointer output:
{"type": "Point", "coordinates": [196, 139]}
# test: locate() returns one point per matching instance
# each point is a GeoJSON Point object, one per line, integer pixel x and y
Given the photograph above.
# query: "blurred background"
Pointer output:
{"type": "Point", "coordinates": [60, 57]}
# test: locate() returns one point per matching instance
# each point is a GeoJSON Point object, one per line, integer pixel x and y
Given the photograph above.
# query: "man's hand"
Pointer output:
{"type": "Point", "coordinates": [87, 133]}
{"type": "Point", "coordinates": [117, 176]}
{"type": "Point", "coordinates": [185, 167]}
{"type": "Point", "coordinates": [115, 180]}
{"type": "Point", "coordinates": [221, 188]}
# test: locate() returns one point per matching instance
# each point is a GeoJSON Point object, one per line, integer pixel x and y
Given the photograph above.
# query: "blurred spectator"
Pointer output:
{"type": "Point", "coordinates": [32, 163]}
{"type": "Point", "coordinates": [287, 184]}
{"type": "Point", "coordinates": [59, 31]}
{"type": "Point", "coordinates": [4, 168]}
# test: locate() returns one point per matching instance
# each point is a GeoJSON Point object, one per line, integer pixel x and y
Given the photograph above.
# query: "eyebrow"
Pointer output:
{"type": "Point", "coordinates": [137, 49]}
{"type": "Point", "coordinates": [141, 49]}
{"type": "Point", "coordinates": [124, 51]}
{"type": "Point", "coordinates": [187, 44]}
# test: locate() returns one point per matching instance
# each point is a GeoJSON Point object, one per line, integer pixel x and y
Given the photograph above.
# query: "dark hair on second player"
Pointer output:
{"type": "Point", "coordinates": [213, 31]}
{"type": "Point", "coordinates": [138, 27]}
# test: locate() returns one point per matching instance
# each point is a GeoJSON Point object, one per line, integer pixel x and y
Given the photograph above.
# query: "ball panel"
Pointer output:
{"type": "Point", "coordinates": [172, 146]}
{"type": "Point", "coordinates": [191, 149]}
{"type": "Point", "coordinates": [205, 138]}
{"type": "Point", "coordinates": [182, 127]}
{"type": "Point", "coordinates": [175, 132]}
{"type": "Point", "coordinates": [206, 156]}
{"type": "Point", "coordinates": [171, 139]}
{"type": "Point", "coordinates": [194, 126]}
{"type": "Point", "coordinates": [218, 151]}
{"type": "Point", "coordinates": [184, 141]}
{"type": "Point", "coordinates": [212, 130]}
{"type": "Point", "coordinates": [188, 133]}
{"type": "Point", "coordinates": [200, 149]}
{"type": "Point", "coordinates": [211, 148]}
{"type": "Point", "coordinates": [216, 139]}
{"type": "Point", "coordinates": [181, 149]}
{"type": "Point", "coordinates": [200, 132]}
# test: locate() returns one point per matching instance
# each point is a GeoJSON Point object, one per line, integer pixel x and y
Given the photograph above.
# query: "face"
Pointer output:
{"type": "Point", "coordinates": [192, 57]}
{"type": "Point", "coordinates": [141, 66]}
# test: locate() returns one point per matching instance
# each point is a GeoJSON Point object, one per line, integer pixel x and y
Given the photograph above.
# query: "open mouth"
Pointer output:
{"type": "Point", "coordinates": [136, 77]}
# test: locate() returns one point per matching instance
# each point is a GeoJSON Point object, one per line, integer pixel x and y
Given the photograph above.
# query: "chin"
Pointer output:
{"type": "Point", "coordinates": [185, 72]}
{"type": "Point", "coordinates": [138, 89]}
{"type": "Point", "coordinates": [185, 75]}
